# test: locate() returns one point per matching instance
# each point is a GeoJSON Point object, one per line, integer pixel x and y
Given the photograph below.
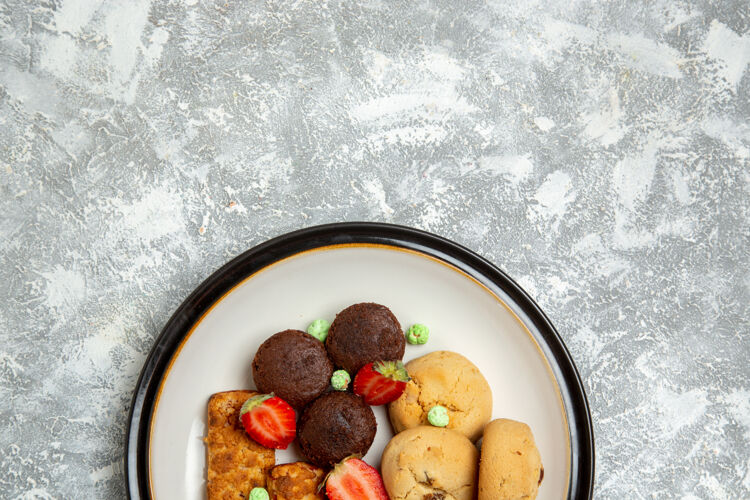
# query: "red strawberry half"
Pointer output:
{"type": "Point", "coordinates": [353, 479]}
{"type": "Point", "coordinates": [381, 382]}
{"type": "Point", "coordinates": [269, 420]}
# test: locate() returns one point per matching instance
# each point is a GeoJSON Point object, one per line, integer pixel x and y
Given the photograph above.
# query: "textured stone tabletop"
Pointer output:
{"type": "Point", "coordinates": [597, 151]}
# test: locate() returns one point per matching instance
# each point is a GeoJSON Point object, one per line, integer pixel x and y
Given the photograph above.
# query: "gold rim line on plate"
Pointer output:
{"type": "Point", "coordinates": [381, 246]}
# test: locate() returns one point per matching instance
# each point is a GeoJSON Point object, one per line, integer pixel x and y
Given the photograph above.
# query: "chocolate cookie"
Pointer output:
{"type": "Point", "coordinates": [334, 426]}
{"type": "Point", "coordinates": [294, 366]}
{"type": "Point", "coordinates": [363, 333]}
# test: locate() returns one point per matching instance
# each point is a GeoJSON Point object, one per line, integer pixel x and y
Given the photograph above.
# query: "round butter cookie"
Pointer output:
{"type": "Point", "coordinates": [430, 463]}
{"type": "Point", "coordinates": [511, 466]}
{"type": "Point", "coordinates": [450, 380]}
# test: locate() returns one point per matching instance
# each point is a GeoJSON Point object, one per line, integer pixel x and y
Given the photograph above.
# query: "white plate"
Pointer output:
{"type": "Point", "coordinates": [212, 344]}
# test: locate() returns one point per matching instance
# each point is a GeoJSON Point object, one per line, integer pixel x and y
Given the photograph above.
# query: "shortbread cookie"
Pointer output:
{"type": "Point", "coordinates": [296, 481]}
{"type": "Point", "coordinates": [235, 464]}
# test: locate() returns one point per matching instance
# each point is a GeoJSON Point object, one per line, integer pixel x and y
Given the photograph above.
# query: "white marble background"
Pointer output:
{"type": "Point", "coordinates": [597, 151]}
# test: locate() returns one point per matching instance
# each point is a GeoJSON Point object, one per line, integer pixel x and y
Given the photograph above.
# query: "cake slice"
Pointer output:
{"type": "Point", "coordinates": [296, 481]}
{"type": "Point", "coordinates": [235, 464]}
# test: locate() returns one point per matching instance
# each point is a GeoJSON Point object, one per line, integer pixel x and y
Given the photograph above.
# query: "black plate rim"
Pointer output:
{"type": "Point", "coordinates": [572, 392]}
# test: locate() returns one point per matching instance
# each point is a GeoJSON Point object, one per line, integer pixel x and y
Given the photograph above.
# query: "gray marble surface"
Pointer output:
{"type": "Point", "coordinates": [597, 151]}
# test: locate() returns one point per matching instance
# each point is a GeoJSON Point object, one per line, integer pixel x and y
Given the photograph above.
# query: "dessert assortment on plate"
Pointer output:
{"type": "Point", "coordinates": [317, 387]}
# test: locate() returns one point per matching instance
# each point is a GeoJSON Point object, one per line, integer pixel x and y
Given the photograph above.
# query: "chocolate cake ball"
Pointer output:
{"type": "Point", "coordinates": [334, 426]}
{"type": "Point", "coordinates": [294, 366]}
{"type": "Point", "coordinates": [363, 333]}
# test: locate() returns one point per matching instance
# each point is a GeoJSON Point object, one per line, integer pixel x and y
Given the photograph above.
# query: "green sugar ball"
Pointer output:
{"type": "Point", "coordinates": [259, 494]}
{"type": "Point", "coordinates": [438, 416]}
{"type": "Point", "coordinates": [417, 334]}
{"type": "Point", "coordinates": [340, 380]}
{"type": "Point", "coordinates": [319, 329]}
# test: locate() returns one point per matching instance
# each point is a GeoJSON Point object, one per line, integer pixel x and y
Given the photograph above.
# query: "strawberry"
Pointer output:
{"type": "Point", "coordinates": [381, 382]}
{"type": "Point", "coordinates": [269, 420]}
{"type": "Point", "coordinates": [353, 479]}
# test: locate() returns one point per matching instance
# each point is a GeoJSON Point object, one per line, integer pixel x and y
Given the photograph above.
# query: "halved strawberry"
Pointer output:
{"type": "Point", "coordinates": [269, 420]}
{"type": "Point", "coordinates": [381, 382]}
{"type": "Point", "coordinates": [353, 479]}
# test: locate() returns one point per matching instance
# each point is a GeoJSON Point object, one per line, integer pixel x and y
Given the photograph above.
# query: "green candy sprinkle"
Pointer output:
{"type": "Point", "coordinates": [259, 494]}
{"type": "Point", "coordinates": [340, 380]}
{"type": "Point", "coordinates": [438, 416]}
{"type": "Point", "coordinates": [417, 334]}
{"type": "Point", "coordinates": [319, 329]}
